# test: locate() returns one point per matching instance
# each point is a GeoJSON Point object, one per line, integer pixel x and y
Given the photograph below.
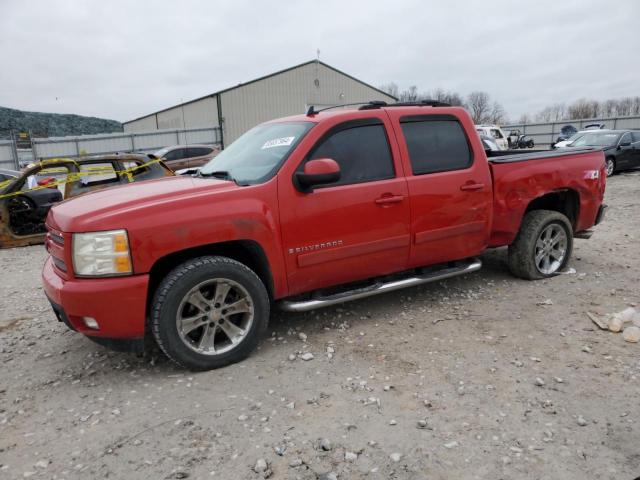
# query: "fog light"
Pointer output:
{"type": "Point", "coordinates": [90, 322]}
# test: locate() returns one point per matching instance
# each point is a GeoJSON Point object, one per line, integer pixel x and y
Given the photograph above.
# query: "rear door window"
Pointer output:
{"type": "Point", "coordinates": [436, 145]}
{"type": "Point", "coordinates": [362, 152]}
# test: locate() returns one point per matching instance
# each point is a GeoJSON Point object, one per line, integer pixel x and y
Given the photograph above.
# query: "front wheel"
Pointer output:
{"type": "Point", "coordinates": [209, 312]}
{"type": "Point", "coordinates": [610, 166]}
{"type": "Point", "coordinates": [543, 245]}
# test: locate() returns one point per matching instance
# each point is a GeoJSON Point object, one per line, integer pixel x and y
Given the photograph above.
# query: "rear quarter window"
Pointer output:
{"type": "Point", "coordinates": [436, 146]}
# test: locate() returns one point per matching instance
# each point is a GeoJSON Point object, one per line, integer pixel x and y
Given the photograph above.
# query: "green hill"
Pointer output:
{"type": "Point", "coordinates": [53, 124]}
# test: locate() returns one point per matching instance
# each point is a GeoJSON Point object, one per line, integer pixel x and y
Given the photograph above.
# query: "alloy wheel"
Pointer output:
{"type": "Point", "coordinates": [215, 316]}
{"type": "Point", "coordinates": [609, 167]}
{"type": "Point", "coordinates": [551, 249]}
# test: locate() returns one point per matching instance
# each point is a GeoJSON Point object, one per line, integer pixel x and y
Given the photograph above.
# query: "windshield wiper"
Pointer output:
{"type": "Point", "coordinates": [222, 174]}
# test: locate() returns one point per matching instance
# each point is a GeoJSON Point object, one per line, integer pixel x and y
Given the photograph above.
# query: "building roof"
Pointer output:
{"type": "Point", "coordinates": [258, 80]}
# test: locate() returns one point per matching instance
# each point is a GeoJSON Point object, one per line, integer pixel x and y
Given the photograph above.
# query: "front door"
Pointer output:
{"type": "Point", "coordinates": [449, 186]}
{"type": "Point", "coordinates": [357, 227]}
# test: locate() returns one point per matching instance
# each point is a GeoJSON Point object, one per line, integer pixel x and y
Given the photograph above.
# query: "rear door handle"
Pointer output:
{"type": "Point", "coordinates": [472, 186]}
{"type": "Point", "coordinates": [389, 199]}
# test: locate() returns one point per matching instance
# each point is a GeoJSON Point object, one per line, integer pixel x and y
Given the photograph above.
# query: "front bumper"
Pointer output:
{"type": "Point", "coordinates": [118, 304]}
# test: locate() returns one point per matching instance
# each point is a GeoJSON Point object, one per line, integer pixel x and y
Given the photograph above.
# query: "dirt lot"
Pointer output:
{"type": "Point", "coordinates": [483, 376]}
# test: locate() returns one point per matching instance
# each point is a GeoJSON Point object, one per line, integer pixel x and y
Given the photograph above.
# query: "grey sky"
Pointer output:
{"type": "Point", "coordinates": [121, 60]}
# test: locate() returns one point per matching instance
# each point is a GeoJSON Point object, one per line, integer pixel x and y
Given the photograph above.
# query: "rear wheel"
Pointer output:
{"type": "Point", "coordinates": [543, 245]}
{"type": "Point", "coordinates": [609, 166]}
{"type": "Point", "coordinates": [209, 312]}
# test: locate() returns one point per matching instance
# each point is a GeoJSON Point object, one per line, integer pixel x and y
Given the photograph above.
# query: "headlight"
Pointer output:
{"type": "Point", "coordinates": [101, 254]}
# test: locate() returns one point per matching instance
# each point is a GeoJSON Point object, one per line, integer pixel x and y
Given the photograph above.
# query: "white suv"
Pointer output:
{"type": "Point", "coordinates": [494, 132]}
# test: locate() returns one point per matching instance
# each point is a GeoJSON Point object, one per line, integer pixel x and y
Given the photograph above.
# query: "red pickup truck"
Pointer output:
{"type": "Point", "coordinates": [305, 212]}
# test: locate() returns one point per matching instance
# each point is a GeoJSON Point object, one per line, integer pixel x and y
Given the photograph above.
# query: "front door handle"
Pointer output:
{"type": "Point", "coordinates": [471, 186]}
{"type": "Point", "coordinates": [389, 199]}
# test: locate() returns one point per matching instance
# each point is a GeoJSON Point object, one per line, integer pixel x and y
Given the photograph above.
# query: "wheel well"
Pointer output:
{"type": "Point", "coordinates": [566, 202]}
{"type": "Point", "coordinates": [246, 252]}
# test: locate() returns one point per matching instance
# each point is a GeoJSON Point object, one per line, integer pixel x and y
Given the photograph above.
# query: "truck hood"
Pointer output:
{"type": "Point", "coordinates": [96, 210]}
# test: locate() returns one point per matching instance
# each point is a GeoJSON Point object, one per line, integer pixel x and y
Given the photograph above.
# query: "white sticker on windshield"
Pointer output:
{"type": "Point", "coordinates": [278, 142]}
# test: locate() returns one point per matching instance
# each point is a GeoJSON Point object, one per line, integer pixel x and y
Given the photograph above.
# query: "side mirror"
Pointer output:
{"type": "Point", "coordinates": [625, 144]}
{"type": "Point", "coordinates": [317, 172]}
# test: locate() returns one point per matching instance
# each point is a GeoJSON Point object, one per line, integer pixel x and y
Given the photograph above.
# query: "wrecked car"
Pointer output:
{"type": "Point", "coordinates": [26, 197]}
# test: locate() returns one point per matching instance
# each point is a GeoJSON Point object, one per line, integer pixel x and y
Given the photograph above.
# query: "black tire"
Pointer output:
{"type": "Point", "coordinates": [522, 252]}
{"type": "Point", "coordinates": [175, 288]}
{"type": "Point", "coordinates": [610, 166]}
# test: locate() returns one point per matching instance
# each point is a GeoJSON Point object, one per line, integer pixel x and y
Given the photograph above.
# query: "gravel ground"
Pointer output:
{"type": "Point", "coordinates": [483, 376]}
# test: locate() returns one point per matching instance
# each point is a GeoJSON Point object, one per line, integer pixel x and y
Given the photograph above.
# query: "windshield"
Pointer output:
{"type": "Point", "coordinates": [257, 155]}
{"type": "Point", "coordinates": [596, 140]}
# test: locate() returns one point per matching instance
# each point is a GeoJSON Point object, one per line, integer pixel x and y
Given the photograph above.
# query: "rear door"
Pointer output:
{"type": "Point", "coordinates": [449, 187]}
{"type": "Point", "coordinates": [357, 227]}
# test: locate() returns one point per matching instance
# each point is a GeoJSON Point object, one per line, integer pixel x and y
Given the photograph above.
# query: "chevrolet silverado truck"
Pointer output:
{"type": "Point", "coordinates": [305, 212]}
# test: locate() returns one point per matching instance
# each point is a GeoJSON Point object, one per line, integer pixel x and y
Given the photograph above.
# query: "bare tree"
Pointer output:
{"type": "Point", "coordinates": [625, 106]}
{"type": "Point", "coordinates": [583, 108]}
{"type": "Point", "coordinates": [524, 118]}
{"type": "Point", "coordinates": [552, 113]}
{"type": "Point", "coordinates": [409, 95]}
{"type": "Point", "coordinates": [478, 103]}
{"type": "Point", "coordinates": [478, 106]}
{"type": "Point", "coordinates": [497, 115]}
{"type": "Point", "coordinates": [439, 94]}
{"type": "Point", "coordinates": [391, 88]}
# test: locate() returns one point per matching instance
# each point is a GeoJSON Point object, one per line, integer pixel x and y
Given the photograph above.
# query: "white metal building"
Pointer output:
{"type": "Point", "coordinates": [287, 92]}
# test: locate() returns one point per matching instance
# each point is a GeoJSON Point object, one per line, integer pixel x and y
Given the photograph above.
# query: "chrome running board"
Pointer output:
{"type": "Point", "coordinates": [318, 301]}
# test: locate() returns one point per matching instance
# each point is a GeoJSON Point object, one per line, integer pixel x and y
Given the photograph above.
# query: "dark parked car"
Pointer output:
{"type": "Point", "coordinates": [621, 147]}
{"type": "Point", "coordinates": [186, 156]}
{"type": "Point", "coordinates": [26, 197]}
